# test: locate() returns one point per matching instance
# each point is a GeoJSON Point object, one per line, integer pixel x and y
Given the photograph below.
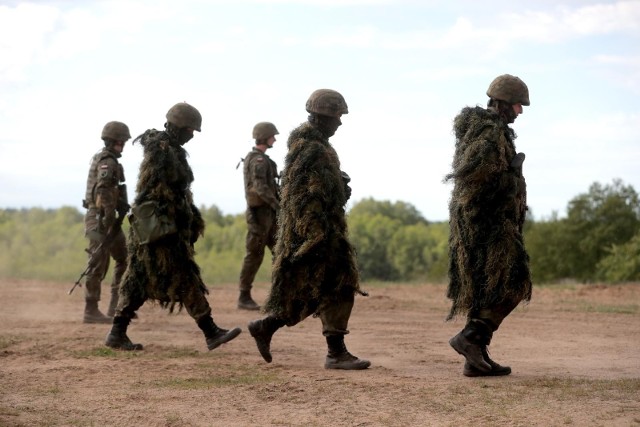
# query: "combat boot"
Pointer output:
{"type": "Point", "coordinates": [471, 341]}
{"type": "Point", "coordinates": [117, 337]}
{"type": "Point", "coordinates": [245, 302]}
{"type": "Point", "coordinates": [113, 303]}
{"type": "Point", "coordinates": [262, 331]}
{"type": "Point", "coordinates": [339, 358]}
{"type": "Point", "coordinates": [92, 314]}
{"type": "Point", "coordinates": [497, 370]}
{"type": "Point", "coordinates": [214, 335]}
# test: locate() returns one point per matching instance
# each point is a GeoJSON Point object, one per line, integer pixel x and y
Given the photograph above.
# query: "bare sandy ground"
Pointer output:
{"type": "Point", "coordinates": [574, 351]}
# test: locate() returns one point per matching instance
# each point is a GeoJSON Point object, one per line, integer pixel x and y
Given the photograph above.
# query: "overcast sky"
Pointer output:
{"type": "Point", "coordinates": [405, 68]}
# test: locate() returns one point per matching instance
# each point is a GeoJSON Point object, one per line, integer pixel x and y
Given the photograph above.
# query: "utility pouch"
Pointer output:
{"type": "Point", "coordinates": [148, 225]}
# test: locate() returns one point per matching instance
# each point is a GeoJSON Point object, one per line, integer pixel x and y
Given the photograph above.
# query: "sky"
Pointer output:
{"type": "Point", "coordinates": [405, 68]}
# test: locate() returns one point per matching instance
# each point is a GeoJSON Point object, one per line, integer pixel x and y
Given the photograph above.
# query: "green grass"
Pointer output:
{"type": "Point", "coordinates": [212, 378]}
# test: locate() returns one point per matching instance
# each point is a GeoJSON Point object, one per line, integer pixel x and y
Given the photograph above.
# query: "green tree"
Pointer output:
{"type": "Point", "coordinates": [404, 212]}
{"type": "Point", "coordinates": [370, 234]}
{"type": "Point", "coordinates": [622, 264]}
{"type": "Point", "coordinates": [605, 216]}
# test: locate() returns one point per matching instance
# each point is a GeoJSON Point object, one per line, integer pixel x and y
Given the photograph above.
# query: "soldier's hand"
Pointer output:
{"type": "Point", "coordinates": [517, 161]}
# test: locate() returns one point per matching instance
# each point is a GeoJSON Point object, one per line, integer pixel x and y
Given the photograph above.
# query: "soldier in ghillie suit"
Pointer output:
{"type": "Point", "coordinates": [489, 266]}
{"type": "Point", "coordinates": [165, 224]}
{"type": "Point", "coordinates": [314, 270]}
{"type": "Point", "coordinates": [263, 202]}
{"type": "Point", "coordinates": [106, 203]}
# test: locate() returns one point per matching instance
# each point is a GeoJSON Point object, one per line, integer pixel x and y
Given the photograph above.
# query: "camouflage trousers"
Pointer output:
{"type": "Point", "coordinates": [334, 316]}
{"type": "Point", "coordinates": [261, 233]}
{"type": "Point", "coordinates": [494, 314]}
{"type": "Point", "coordinates": [100, 261]}
{"type": "Point", "coordinates": [194, 301]}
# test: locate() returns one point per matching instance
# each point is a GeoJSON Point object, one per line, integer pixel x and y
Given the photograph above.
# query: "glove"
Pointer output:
{"type": "Point", "coordinates": [345, 180]}
{"type": "Point", "coordinates": [517, 161]}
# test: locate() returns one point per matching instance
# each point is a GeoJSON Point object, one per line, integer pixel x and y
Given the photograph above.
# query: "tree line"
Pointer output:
{"type": "Point", "coordinates": [598, 240]}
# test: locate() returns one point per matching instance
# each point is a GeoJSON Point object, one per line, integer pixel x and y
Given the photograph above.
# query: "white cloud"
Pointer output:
{"type": "Point", "coordinates": [23, 30]}
{"type": "Point", "coordinates": [361, 37]}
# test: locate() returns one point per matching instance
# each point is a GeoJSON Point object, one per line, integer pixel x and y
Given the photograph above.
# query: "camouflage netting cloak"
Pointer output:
{"type": "Point", "coordinates": [488, 262]}
{"type": "Point", "coordinates": [314, 263]}
{"type": "Point", "coordinates": [165, 270]}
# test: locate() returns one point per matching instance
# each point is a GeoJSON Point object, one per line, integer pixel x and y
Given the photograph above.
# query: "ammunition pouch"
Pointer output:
{"type": "Point", "coordinates": [253, 200]}
{"type": "Point", "coordinates": [148, 225]}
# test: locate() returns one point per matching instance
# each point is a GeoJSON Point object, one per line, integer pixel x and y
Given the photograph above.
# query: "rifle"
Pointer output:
{"type": "Point", "coordinates": [103, 246]}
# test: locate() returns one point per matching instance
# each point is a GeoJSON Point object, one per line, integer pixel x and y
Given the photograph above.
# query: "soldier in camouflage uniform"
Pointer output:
{"type": "Point", "coordinates": [489, 266]}
{"type": "Point", "coordinates": [314, 270]}
{"type": "Point", "coordinates": [164, 270]}
{"type": "Point", "coordinates": [262, 193]}
{"type": "Point", "coordinates": [106, 203]}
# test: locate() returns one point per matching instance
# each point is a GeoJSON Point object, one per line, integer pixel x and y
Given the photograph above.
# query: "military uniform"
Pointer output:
{"type": "Point", "coordinates": [165, 270]}
{"type": "Point", "coordinates": [489, 266]}
{"type": "Point", "coordinates": [314, 271]}
{"type": "Point", "coordinates": [106, 201]}
{"type": "Point", "coordinates": [262, 195]}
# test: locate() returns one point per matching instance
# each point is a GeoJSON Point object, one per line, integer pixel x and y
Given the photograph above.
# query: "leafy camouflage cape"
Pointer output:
{"type": "Point", "coordinates": [314, 263]}
{"type": "Point", "coordinates": [165, 270]}
{"type": "Point", "coordinates": [488, 262]}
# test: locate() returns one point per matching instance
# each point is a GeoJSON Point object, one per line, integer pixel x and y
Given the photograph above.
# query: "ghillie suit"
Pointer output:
{"type": "Point", "coordinates": [314, 271]}
{"type": "Point", "coordinates": [315, 266]}
{"type": "Point", "coordinates": [488, 264]}
{"type": "Point", "coordinates": [165, 270]}
{"type": "Point", "coordinates": [488, 261]}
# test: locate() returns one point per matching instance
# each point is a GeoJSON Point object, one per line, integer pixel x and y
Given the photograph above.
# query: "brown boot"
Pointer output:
{"type": "Point", "coordinates": [470, 342]}
{"type": "Point", "coordinates": [497, 370]}
{"type": "Point", "coordinates": [245, 302]}
{"type": "Point", "coordinates": [339, 358]}
{"type": "Point", "coordinates": [93, 315]}
{"type": "Point", "coordinates": [262, 331]}
{"type": "Point", "coordinates": [214, 335]}
{"type": "Point", "coordinates": [117, 338]}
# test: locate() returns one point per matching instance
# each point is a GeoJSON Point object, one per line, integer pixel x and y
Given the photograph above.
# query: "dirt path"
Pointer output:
{"type": "Point", "coordinates": [574, 351]}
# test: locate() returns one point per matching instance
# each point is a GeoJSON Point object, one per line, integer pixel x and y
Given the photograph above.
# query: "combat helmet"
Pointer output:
{"type": "Point", "coordinates": [264, 130]}
{"type": "Point", "coordinates": [115, 131]}
{"type": "Point", "coordinates": [510, 89]}
{"type": "Point", "coordinates": [327, 102]}
{"type": "Point", "coordinates": [184, 115]}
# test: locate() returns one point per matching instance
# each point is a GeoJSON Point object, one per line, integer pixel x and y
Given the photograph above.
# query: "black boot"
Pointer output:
{"type": "Point", "coordinates": [92, 314]}
{"type": "Point", "coordinates": [262, 331]}
{"type": "Point", "coordinates": [113, 303]}
{"type": "Point", "coordinates": [245, 302]}
{"type": "Point", "coordinates": [214, 335]}
{"type": "Point", "coordinates": [471, 341]}
{"type": "Point", "coordinates": [117, 337]}
{"type": "Point", "coordinates": [497, 370]}
{"type": "Point", "coordinates": [339, 358]}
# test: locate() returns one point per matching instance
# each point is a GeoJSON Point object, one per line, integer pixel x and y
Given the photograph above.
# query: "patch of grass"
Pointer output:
{"type": "Point", "coordinates": [7, 341]}
{"type": "Point", "coordinates": [610, 309]}
{"type": "Point", "coordinates": [216, 378]}
{"type": "Point", "coordinates": [104, 352]}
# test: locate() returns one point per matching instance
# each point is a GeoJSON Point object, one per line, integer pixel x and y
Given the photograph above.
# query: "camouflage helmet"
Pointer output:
{"type": "Point", "coordinates": [510, 89]}
{"type": "Point", "coordinates": [184, 115]}
{"type": "Point", "coordinates": [116, 131]}
{"type": "Point", "coordinates": [327, 102]}
{"type": "Point", "coordinates": [264, 130]}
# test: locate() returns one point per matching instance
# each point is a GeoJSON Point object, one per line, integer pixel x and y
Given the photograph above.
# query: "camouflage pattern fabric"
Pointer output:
{"type": "Point", "coordinates": [314, 266]}
{"type": "Point", "coordinates": [165, 270]}
{"type": "Point", "coordinates": [489, 265]}
{"type": "Point", "coordinates": [260, 185]}
{"type": "Point", "coordinates": [102, 198]}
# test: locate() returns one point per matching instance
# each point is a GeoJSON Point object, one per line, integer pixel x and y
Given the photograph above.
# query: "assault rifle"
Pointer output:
{"type": "Point", "coordinates": [100, 250]}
